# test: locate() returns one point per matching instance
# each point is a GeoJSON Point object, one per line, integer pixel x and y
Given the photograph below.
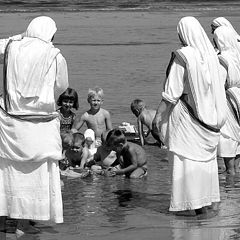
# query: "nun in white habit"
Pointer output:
{"type": "Point", "coordinates": [35, 74]}
{"type": "Point", "coordinates": [229, 56]}
{"type": "Point", "coordinates": [222, 21]}
{"type": "Point", "coordinates": [189, 118]}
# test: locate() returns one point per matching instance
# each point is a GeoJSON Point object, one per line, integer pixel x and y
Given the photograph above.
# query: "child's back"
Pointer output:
{"type": "Point", "coordinates": [138, 151]}
{"type": "Point", "coordinates": [144, 118]}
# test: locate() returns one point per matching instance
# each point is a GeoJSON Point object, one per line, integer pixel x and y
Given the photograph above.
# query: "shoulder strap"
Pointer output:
{"type": "Point", "coordinates": [177, 54]}
{"type": "Point", "coordinates": [5, 64]}
{"type": "Point", "coordinates": [230, 97]}
{"type": "Point", "coordinates": [191, 112]}
{"type": "Point", "coordinates": [170, 63]}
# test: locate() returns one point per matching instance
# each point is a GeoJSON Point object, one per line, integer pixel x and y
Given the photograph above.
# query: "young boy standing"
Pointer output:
{"type": "Point", "coordinates": [96, 118]}
{"type": "Point", "coordinates": [131, 156]}
{"type": "Point", "coordinates": [144, 117]}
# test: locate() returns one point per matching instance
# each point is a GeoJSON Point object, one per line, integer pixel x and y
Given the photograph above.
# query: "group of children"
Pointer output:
{"type": "Point", "coordinates": [101, 148]}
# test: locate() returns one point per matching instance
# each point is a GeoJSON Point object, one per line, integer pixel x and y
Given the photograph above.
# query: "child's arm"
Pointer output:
{"type": "Point", "coordinates": [140, 131]}
{"type": "Point", "coordinates": [108, 121]}
{"type": "Point", "coordinates": [96, 158]}
{"type": "Point", "coordinates": [78, 123]}
{"type": "Point", "coordinates": [84, 157]}
{"type": "Point", "coordinates": [130, 168]}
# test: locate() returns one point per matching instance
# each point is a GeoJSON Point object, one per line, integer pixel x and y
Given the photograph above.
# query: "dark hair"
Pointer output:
{"type": "Point", "coordinates": [115, 136]}
{"type": "Point", "coordinates": [78, 136]}
{"type": "Point", "coordinates": [137, 105]}
{"type": "Point", "coordinates": [69, 94]}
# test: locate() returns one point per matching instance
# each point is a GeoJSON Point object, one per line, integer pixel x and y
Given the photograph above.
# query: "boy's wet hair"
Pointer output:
{"type": "Point", "coordinates": [115, 136]}
{"type": "Point", "coordinates": [97, 91]}
{"type": "Point", "coordinates": [69, 94]}
{"type": "Point", "coordinates": [137, 105]}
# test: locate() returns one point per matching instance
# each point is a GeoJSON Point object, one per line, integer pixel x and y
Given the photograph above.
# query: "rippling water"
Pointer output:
{"type": "Point", "coordinates": [124, 47]}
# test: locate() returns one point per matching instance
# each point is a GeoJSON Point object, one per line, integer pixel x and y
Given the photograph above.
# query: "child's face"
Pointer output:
{"type": "Point", "coordinates": [95, 102]}
{"type": "Point", "coordinates": [67, 104]}
{"type": "Point", "coordinates": [118, 147]}
{"type": "Point", "coordinates": [135, 112]}
{"type": "Point", "coordinates": [77, 146]}
{"type": "Point", "coordinates": [88, 141]}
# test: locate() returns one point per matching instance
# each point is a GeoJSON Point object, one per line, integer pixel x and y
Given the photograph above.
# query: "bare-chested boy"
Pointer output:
{"type": "Point", "coordinates": [96, 118]}
{"type": "Point", "coordinates": [144, 117]}
{"type": "Point", "coordinates": [130, 156]}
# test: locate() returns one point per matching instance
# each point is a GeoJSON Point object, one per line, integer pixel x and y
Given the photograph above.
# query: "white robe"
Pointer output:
{"type": "Point", "coordinates": [193, 147]}
{"type": "Point", "coordinates": [192, 151]}
{"type": "Point", "coordinates": [29, 173]}
{"type": "Point", "coordinates": [230, 58]}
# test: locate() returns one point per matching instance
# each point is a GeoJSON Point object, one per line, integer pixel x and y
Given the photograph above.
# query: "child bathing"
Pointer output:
{"type": "Point", "coordinates": [96, 118]}
{"type": "Point", "coordinates": [67, 100]}
{"type": "Point", "coordinates": [131, 156]}
{"type": "Point", "coordinates": [144, 118]}
{"type": "Point", "coordinates": [89, 148]}
{"type": "Point", "coordinates": [73, 157]}
{"type": "Point", "coordinates": [104, 158]}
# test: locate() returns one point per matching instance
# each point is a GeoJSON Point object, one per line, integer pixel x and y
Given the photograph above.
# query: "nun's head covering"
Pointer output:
{"type": "Point", "coordinates": [224, 39]}
{"type": "Point", "coordinates": [229, 53]}
{"type": "Point", "coordinates": [221, 21]}
{"type": "Point", "coordinates": [42, 27]}
{"type": "Point", "coordinates": [203, 72]}
{"type": "Point", "coordinates": [192, 34]}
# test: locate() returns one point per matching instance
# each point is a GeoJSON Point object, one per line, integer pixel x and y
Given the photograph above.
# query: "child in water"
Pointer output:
{"type": "Point", "coordinates": [96, 118]}
{"type": "Point", "coordinates": [74, 153]}
{"type": "Point", "coordinates": [89, 148]}
{"type": "Point", "coordinates": [73, 157]}
{"type": "Point", "coordinates": [144, 118]}
{"type": "Point", "coordinates": [104, 157]}
{"type": "Point", "coordinates": [130, 156]}
{"type": "Point", "coordinates": [67, 101]}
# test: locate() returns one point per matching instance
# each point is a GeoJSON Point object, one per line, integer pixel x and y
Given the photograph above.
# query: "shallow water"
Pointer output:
{"type": "Point", "coordinates": [126, 53]}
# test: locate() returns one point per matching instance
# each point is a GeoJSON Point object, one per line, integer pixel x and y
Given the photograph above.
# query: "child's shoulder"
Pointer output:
{"type": "Point", "coordinates": [149, 110]}
{"type": "Point", "coordinates": [85, 114]}
{"type": "Point", "coordinates": [146, 113]}
{"type": "Point", "coordinates": [133, 145]}
{"type": "Point", "coordinates": [104, 111]}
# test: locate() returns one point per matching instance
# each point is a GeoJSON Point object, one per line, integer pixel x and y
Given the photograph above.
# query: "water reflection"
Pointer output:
{"type": "Point", "coordinates": [221, 224]}
{"type": "Point", "coordinates": [101, 205]}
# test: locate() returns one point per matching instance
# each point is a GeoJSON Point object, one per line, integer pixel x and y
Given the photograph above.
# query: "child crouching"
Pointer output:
{"type": "Point", "coordinates": [131, 156]}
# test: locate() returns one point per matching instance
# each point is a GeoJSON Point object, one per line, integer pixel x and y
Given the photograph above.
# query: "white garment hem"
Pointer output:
{"type": "Point", "coordinates": [37, 218]}
{"type": "Point", "coordinates": [192, 206]}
